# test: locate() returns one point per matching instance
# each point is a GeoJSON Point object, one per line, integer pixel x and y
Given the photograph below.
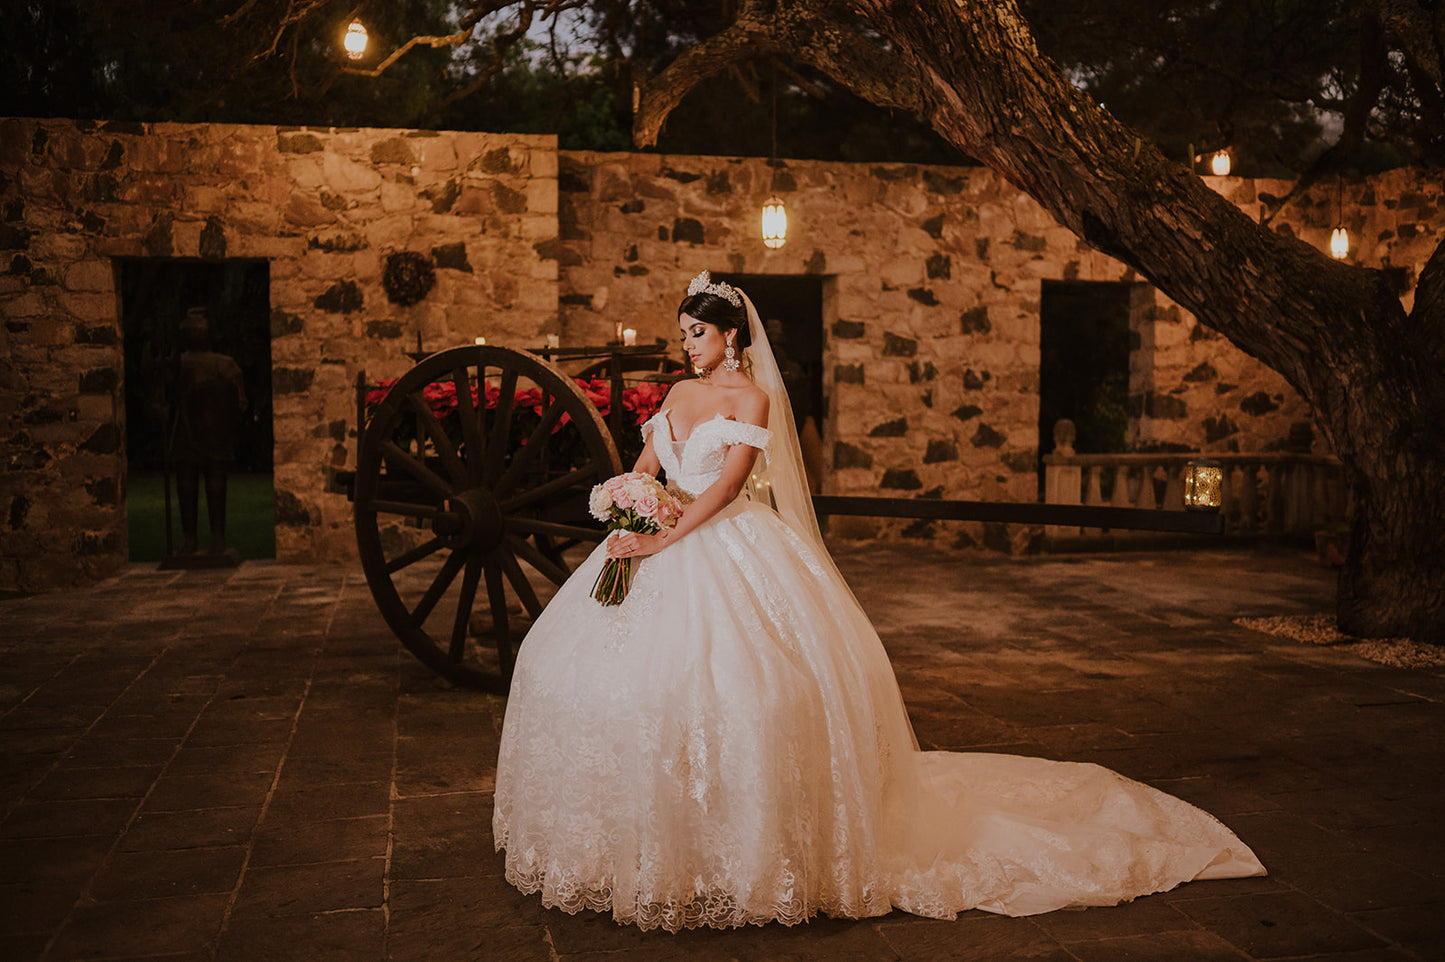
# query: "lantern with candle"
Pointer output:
{"type": "Point", "coordinates": [1203, 485]}
{"type": "Point", "coordinates": [355, 40]}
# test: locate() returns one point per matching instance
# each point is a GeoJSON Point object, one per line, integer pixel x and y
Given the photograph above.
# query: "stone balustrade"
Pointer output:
{"type": "Point", "coordinates": [1264, 494]}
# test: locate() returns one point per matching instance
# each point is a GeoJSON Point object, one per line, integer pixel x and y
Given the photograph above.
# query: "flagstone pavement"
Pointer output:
{"type": "Point", "coordinates": [247, 766]}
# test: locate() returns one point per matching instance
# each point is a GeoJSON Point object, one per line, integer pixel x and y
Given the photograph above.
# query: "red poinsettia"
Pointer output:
{"type": "Point", "coordinates": [643, 400]}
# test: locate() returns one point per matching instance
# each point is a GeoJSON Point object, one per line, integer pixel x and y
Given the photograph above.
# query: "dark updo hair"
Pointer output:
{"type": "Point", "coordinates": [714, 310]}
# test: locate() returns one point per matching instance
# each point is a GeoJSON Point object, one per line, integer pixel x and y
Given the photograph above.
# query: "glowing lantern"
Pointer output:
{"type": "Point", "coordinates": [1339, 243]}
{"type": "Point", "coordinates": [775, 223]}
{"type": "Point", "coordinates": [1203, 485]}
{"type": "Point", "coordinates": [355, 41]}
{"type": "Point", "coordinates": [1220, 164]}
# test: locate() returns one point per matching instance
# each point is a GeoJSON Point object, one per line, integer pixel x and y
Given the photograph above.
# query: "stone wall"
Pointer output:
{"type": "Point", "coordinates": [324, 207]}
{"type": "Point", "coordinates": [933, 289]}
{"type": "Point", "coordinates": [1193, 390]}
{"type": "Point", "coordinates": [932, 280]}
{"type": "Point", "coordinates": [932, 341]}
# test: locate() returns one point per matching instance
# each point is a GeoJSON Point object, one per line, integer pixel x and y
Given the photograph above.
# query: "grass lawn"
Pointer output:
{"type": "Point", "coordinates": [250, 516]}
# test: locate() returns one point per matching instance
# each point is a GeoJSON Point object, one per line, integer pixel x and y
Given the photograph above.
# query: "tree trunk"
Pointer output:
{"type": "Point", "coordinates": [1337, 333]}
{"type": "Point", "coordinates": [1393, 580]}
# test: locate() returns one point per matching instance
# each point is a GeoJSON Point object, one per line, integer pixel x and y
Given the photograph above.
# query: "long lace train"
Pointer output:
{"type": "Point", "coordinates": [729, 746]}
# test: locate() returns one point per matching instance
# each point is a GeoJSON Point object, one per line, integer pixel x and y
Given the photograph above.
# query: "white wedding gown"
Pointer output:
{"type": "Point", "coordinates": [729, 746]}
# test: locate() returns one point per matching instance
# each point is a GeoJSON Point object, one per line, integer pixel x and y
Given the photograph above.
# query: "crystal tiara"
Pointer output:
{"type": "Point", "coordinates": [702, 284]}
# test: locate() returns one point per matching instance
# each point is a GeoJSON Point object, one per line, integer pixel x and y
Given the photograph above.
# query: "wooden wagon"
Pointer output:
{"type": "Point", "coordinates": [472, 477]}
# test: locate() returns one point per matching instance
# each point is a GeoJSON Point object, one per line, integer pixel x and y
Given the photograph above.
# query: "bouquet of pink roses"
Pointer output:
{"type": "Point", "coordinates": [629, 502]}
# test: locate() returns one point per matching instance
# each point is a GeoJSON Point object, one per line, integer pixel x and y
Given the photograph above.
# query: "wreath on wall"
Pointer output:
{"type": "Point", "coordinates": [408, 277]}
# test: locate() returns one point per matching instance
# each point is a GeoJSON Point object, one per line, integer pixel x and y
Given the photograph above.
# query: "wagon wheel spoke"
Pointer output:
{"type": "Point", "coordinates": [535, 446]}
{"type": "Point", "coordinates": [410, 509]}
{"type": "Point", "coordinates": [497, 597]}
{"type": "Point", "coordinates": [556, 529]}
{"type": "Point", "coordinates": [413, 467]}
{"type": "Point", "coordinates": [549, 568]}
{"type": "Point", "coordinates": [413, 556]}
{"type": "Point", "coordinates": [501, 427]}
{"type": "Point", "coordinates": [490, 511]}
{"type": "Point", "coordinates": [469, 412]}
{"type": "Point", "coordinates": [445, 448]}
{"type": "Point", "coordinates": [520, 584]}
{"type": "Point", "coordinates": [438, 587]}
{"type": "Point", "coordinates": [555, 486]}
{"type": "Point", "coordinates": [464, 607]}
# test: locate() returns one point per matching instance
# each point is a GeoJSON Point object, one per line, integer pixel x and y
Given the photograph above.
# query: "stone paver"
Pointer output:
{"type": "Point", "coordinates": [247, 766]}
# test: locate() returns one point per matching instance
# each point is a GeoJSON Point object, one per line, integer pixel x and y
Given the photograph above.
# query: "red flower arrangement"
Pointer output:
{"type": "Point", "coordinates": [641, 401]}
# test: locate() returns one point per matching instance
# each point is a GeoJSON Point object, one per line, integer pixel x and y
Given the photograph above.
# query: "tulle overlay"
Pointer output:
{"type": "Point", "coordinates": [729, 746]}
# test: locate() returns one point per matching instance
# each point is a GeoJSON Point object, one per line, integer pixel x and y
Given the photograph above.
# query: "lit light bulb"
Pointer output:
{"type": "Point", "coordinates": [1339, 243]}
{"type": "Point", "coordinates": [775, 223]}
{"type": "Point", "coordinates": [1220, 164]}
{"type": "Point", "coordinates": [355, 41]}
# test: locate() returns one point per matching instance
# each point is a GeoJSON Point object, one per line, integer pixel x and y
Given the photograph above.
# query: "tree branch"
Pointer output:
{"type": "Point", "coordinates": [659, 96]}
{"type": "Point", "coordinates": [1429, 309]}
{"type": "Point", "coordinates": [450, 40]}
{"type": "Point", "coordinates": [803, 29]}
{"type": "Point", "coordinates": [802, 83]}
{"type": "Point", "coordinates": [1356, 115]}
{"type": "Point", "coordinates": [500, 44]}
{"type": "Point", "coordinates": [1408, 25]}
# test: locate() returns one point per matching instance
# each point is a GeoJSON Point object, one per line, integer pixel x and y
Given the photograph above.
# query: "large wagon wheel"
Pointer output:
{"type": "Point", "coordinates": [483, 492]}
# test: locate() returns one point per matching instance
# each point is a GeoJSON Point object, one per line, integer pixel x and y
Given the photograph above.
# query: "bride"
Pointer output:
{"type": "Point", "coordinates": [729, 745]}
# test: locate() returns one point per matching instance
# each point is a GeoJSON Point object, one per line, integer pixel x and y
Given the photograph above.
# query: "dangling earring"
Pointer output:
{"type": "Point", "coordinates": [730, 359]}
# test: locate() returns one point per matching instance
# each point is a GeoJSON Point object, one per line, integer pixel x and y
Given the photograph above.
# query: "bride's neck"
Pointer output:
{"type": "Point", "coordinates": [727, 379]}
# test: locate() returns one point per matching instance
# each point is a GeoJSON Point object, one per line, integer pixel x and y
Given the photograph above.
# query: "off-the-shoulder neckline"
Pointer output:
{"type": "Point", "coordinates": [672, 435]}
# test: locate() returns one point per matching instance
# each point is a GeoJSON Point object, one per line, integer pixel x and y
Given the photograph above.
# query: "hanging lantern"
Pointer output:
{"type": "Point", "coordinates": [1220, 164]}
{"type": "Point", "coordinates": [775, 223]}
{"type": "Point", "coordinates": [1339, 243]}
{"type": "Point", "coordinates": [355, 40]}
{"type": "Point", "coordinates": [1203, 485]}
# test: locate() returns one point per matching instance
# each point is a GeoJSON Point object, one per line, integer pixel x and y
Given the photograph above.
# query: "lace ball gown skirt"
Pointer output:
{"type": "Point", "coordinates": [729, 746]}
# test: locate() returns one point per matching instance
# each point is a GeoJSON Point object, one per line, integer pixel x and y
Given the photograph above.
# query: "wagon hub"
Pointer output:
{"type": "Point", "coordinates": [470, 519]}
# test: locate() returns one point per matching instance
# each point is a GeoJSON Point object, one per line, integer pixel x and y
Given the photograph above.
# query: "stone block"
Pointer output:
{"type": "Point", "coordinates": [95, 407]}
{"type": "Point", "coordinates": [397, 196]}
{"type": "Point", "coordinates": [57, 246]}
{"type": "Point", "coordinates": [304, 210]}
{"type": "Point", "coordinates": [542, 196]}
{"type": "Point", "coordinates": [904, 273]}
{"type": "Point", "coordinates": [399, 150]}
{"type": "Point", "coordinates": [186, 238]}
{"type": "Point", "coordinates": [344, 176]}
{"type": "Point", "coordinates": [537, 227]}
{"type": "Point", "coordinates": [205, 198]}
{"type": "Point", "coordinates": [543, 163]}
{"type": "Point", "coordinates": [88, 308]}
{"type": "Point", "coordinates": [29, 304]}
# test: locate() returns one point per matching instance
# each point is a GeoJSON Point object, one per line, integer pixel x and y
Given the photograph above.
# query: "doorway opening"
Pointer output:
{"type": "Point", "coordinates": [1084, 364]}
{"type": "Point", "coordinates": [791, 309]}
{"type": "Point", "coordinates": [169, 307]}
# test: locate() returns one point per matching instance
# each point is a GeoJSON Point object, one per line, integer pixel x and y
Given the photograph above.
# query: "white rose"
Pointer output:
{"type": "Point", "coordinates": [600, 504]}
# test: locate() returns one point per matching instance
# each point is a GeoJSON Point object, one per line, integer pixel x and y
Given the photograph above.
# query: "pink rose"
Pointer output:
{"type": "Point", "coordinates": [622, 499]}
{"type": "Point", "coordinates": [648, 506]}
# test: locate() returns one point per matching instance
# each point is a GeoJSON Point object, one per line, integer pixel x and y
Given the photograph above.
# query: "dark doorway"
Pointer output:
{"type": "Point", "coordinates": [791, 308]}
{"type": "Point", "coordinates": [156, 295]}
{"type": "Point", "coordinates": [1084, 364]}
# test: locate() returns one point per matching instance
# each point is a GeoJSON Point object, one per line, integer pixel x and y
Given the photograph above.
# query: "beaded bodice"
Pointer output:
{"type": "Point", "coordinates": [695, 463]}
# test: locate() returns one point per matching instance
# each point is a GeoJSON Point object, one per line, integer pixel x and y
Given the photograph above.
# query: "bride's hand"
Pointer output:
{"type": "Point", "coordinates": [630, 544]}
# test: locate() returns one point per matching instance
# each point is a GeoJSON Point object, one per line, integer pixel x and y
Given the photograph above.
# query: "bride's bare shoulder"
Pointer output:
{"type": "Point", "coordinates": [680, 391]}
{"type": "Point", "coordinates": [754, 406]}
